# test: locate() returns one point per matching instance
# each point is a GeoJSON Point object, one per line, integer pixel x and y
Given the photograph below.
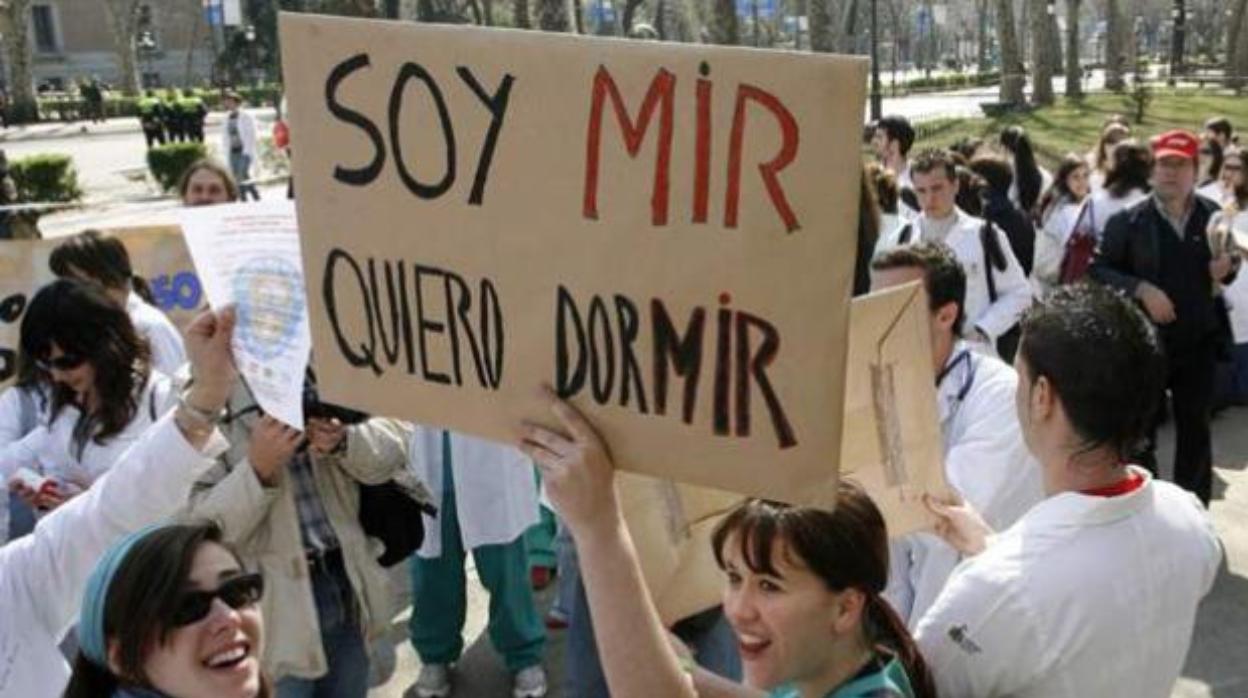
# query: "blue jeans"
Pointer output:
{"type": "Point", "coordinates": [345, 650]}
{"type": "Point", "coordinates": [708, 634]}
{"type": "Point", "coordinates": [21, 517]}
{"type": "Point", "coordinates": [240, 166]}
{"type": "Point", "coordinates": [1232, 387]}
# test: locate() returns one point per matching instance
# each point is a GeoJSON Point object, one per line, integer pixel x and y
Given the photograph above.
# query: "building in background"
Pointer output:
{"type": "Point", "coordinates": [73, 39]}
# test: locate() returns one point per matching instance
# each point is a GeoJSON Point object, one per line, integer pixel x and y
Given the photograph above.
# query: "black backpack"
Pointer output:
{"type": "Point", "coordinates": [994, 258]}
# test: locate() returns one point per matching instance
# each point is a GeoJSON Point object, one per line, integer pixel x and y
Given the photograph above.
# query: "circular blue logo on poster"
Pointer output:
{"type": "Point", "coordinates": [268, 294]}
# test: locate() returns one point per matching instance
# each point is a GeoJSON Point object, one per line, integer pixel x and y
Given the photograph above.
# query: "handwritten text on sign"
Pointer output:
{"type": "Point", "coordinates": [662, 233]}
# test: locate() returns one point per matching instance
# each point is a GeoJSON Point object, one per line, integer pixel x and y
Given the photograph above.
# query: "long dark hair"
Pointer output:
{"type": "Point", "coordinates": [846, 547]}
{"type": "Point", "coordinates": [1059, 190]}
{"type": "Point", "coordinates": [1216, 156]}
{"type": "Point", "coordinates": [1131, 168]}
{"type": "Point", "coordinates": [81, 319]}
{"type": "Point", "coordinates": [1026, 172]}
{"type": "Point", "coordinates": [141, 598]}
{"type": "Point", "coordinates": [868, 233]}
{"type": "Point", "coordinates": [101, 258]}
{"type": "Point", "coordinates": [1114, 130]}
{"type": "Point", "coordinates": [1241, 189]}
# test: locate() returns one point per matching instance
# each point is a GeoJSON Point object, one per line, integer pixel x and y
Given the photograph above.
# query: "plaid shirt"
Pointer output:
{"type": "Point", "coordinates": [318, 534]}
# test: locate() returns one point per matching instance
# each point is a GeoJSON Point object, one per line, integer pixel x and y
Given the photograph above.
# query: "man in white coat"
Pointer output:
{"type": "Point", "coordinates": [43, 574]}
{"type": "Point", "coordinates": [986, 460]}
{"type": "Point", "coordinates": [997, 291]}
{"type": "Point", "coordinates": [238, 140]}
{"type": "Point", "coordinates": [1094, 591]}
{"type": "Point", "coordinates": [487, 498]}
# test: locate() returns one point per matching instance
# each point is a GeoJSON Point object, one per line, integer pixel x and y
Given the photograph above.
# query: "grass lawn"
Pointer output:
{"type": "Point", "coordinates": [1074, 125]}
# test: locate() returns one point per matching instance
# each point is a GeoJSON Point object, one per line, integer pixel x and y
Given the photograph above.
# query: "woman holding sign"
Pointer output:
{"type": "Point", "coordinates": [802, 588]}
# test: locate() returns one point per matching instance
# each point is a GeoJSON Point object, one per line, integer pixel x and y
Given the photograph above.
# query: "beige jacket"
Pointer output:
{"type": "Point", "coordinates": [263, 523]}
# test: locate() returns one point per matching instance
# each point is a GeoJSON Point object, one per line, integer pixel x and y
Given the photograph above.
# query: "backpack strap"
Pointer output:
{"type": "Point", "coordinates": [994, 256]}
{"type": "Point", "coordinates": [907, 232]}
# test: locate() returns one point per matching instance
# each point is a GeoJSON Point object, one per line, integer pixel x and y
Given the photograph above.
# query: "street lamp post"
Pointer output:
{"type": "Point", "coordinates": [249, 33]}
{"type": "Point", "coordinates": [1179, 15]}
{"type": "Point", "coordinates": [876, 98]}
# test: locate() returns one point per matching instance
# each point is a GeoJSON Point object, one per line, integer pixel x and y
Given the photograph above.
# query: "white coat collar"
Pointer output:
{"type": "Point", "coordinates": [1077, 510]}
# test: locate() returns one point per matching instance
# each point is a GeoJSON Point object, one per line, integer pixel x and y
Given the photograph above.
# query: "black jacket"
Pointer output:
{"type": "Point", "coordinates": [1139, 244]}
{"type": "Point", "coordinates": [1002, 212]}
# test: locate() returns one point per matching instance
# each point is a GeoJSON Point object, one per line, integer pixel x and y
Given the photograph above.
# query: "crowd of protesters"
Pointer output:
{"type": "Point", "coordinates": [165, 537]}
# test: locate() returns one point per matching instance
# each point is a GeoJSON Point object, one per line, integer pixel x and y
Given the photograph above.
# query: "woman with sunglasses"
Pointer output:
{"type": "Point", "coordinates": [170, 612]}
{"type": "Point", "coordinates": [102, 390]}
{"type": "Point", "coordinates": [43, 575]}
{"type": "Point", "coordinates": [802, 588]}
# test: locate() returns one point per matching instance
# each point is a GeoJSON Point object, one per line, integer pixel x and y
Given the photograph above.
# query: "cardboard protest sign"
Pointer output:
{"type": "Point", "coordinates": [892, 445]}
{"type": "Point", "coordinates": [159, 255]}
{"type": "Point", "coordinates": [23, 269]}
{"type": "Point", "coordinates": [671, 526]}
{"type": "Point", "coordinates": [663, 233]}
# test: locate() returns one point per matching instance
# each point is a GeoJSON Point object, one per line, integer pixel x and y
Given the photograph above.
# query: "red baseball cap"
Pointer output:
{"type": "Point", "coordinates": [1177, 143]}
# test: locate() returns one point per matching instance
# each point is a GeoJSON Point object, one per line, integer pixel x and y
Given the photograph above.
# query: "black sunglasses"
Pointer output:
{"type": "Point", "coordinates": [239, 592]}
{"type": "Point", "coordinates": [64, 362]}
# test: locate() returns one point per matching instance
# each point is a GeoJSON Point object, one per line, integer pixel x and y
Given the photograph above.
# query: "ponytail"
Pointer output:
{"type": "Point", "coordinates": [885, 628]}
{"type": "Point", "coordinates": [140, 286]}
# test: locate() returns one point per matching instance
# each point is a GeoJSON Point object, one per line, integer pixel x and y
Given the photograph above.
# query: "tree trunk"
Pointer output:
{"type": "Point", "coordinates": [1236, 55]}
{"type": "Point", "coordinates": [1042, 60]}
{"type": "Point", "coordinates": [628, 17]}
{"type": "Point", "coordinates": [522, 20]}
{"type": "Point", "coordinates": [22, 104]}
{"type": "Point", "coordinates": [1074, 71]}
{"type": "Point", "coordinates": [553, 16]}
{"type": "Point", "coordinates": [123, 19]}
{"type": "Point", "coordinates": [724, 29]}
{"type": "Point", "coordinates": [488, 6]}
{"type": "Point", "coordinates": [822, 37]}
{"type": "Point", "coordinates": [1115, 47]}
{"type": "Point", "coordinates": [674, 21]}
{"type": "Point", "coordinates": [197, 18]}
{"type": "Point", "coordinates": [982, 60]}
{"type": "Point", "coordinates": [1012, 79]}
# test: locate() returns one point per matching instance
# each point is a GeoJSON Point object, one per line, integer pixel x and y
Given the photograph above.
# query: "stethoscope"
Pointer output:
{"type": "Point", "coordinates": [963, 356]}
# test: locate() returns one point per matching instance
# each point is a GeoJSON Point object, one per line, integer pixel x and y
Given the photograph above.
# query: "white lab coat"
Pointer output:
{"type": "Point", "coordinates": [495, 488]}
{"type": "Point", "coordinates": [1105, 205]}
{"type": "Point", "coordinates": [1085, 596]}
{"type": "Point", "coordinates": [21, 411]}
{"type": "Point", "coordinates": [1013, 291]}
{"type": "Point", "coordinates": [1051, 240]}
{"type": "Point", "coordinates": [246, 133]}
{"type": "Point", "coordinates": [1236, 293]}
{"type": "Point", "coordinates": [49, 449]}
{"type": "Point", "coordinates": [42, 575]}
{"type": "Point", "coordinates": [168, 353]}
{"type": "Point", "coordinates": [986, 462]}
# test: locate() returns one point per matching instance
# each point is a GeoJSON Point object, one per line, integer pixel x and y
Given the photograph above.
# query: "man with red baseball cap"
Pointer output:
{"type": "Point", "coordinates": [1158, 251]}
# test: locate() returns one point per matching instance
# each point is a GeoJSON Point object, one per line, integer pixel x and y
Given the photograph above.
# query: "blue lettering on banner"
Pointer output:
{"type": "Point", "coordinates": [180, 291]}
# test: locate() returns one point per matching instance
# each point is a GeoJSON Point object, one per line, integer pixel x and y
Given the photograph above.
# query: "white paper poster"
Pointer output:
{"type": "Point", "coordinates": [248, 255]}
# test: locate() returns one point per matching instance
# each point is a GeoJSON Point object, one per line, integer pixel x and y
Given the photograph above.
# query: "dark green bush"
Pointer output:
{"type": "Point", "coordinates": [45, 177]}
{"type": "Point", "coordinates": [168, 162]}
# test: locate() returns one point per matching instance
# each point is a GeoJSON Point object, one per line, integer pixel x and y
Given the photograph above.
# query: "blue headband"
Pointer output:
{"type": "Point", "coordinates": [91, 640]}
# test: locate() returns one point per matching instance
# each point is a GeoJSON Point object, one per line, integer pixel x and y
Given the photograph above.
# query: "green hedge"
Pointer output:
{"type": "Point", "coordinates": [71, 108]}
{"type": "Point", "coordinates": [168, 162]}
{"type": "Point", "coordinates": [943, 82]}
{"type": "Point", "coordinates": [46, 177]}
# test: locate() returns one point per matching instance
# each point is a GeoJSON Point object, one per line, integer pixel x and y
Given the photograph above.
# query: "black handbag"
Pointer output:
{"type": "Point", "coordinates": [389, 514]}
